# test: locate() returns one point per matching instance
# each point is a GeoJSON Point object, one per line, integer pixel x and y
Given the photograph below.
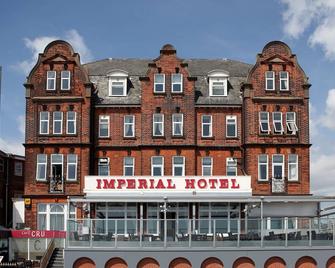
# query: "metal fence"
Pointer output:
{"type": "Point", "coordinates": [201, 233]}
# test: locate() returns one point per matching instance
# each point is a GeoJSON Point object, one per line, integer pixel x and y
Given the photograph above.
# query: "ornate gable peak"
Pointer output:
{"type": "Point", "coordinates": [277, 59]}
{"type": "Point", "coordinates": [56, 58]}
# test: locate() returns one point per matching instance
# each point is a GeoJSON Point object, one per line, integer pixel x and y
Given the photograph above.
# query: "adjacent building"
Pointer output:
{"type": "Point", "coordinates": [11, 184]}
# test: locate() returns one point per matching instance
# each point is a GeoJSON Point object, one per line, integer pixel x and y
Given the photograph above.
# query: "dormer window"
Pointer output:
{"type": "Point", "coordinates": [51, 80]}
{"type": "Point", "coordinates": [218, 81]}
{"type": "Point", "coordinates": [159, 83]}
{"type": "Point", "coordinates": [118, 83]}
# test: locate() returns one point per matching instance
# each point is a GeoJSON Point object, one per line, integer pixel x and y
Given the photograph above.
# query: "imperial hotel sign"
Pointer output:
{"type": "Point", "coordinates": [167, 157]}
{"type": "Point", "coordinates": [144, 185]}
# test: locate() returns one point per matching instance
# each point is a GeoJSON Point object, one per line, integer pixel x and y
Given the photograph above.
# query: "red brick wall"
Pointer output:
{"type": "Point", "coordinates": [276, 56]}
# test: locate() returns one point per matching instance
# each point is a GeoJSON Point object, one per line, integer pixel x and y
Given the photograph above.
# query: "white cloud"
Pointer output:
{"type": "Point", "coordinates": [299, 15]}
{"type": "Point", "coordinates": [11, 146]}
{"type": "Point", "coordinates": [328, 118]}
{"type": "Point", "coordinates": [78, 43]}
{"type": "Point", "coordinates": [38, 44]}
{"type": "Point", "coordinates": [323, 174]}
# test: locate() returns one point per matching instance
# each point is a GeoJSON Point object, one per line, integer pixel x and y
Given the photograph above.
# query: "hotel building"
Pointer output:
{"type": "Point", "coordinates": [174, 162]}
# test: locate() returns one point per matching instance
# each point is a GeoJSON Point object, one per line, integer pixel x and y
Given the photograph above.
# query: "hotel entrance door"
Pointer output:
{"type": "Point", "coordinates": [170, 225]}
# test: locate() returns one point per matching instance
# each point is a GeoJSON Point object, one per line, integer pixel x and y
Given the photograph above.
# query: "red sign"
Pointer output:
{"type": "Point", "coordinates": [37, 234]}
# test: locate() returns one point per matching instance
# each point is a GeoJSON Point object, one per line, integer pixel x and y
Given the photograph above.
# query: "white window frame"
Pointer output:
{"type": "Point", "coordinates": [52, 163]}
{"type": "Point", "coordinates": [119, 81]}
{"type": "Point", "coordinates": [52, 78]}
{"type": "Point", "coordinates": [210, 134]}
{"type": "Point", "coordinates": [223, 81]}
{"type": "Point", "coordinates": [71, 120]}
{"type": "Point", "coordinates": [104, 117]}
{"type": "Point", "coordinates": [292, 124]}
{"type": "Point", "coordinates": [278, 164]}
{"type": "Point", "coordinates": [264, 121]}
{"type": "Point", "coordinates": [267, 79]}
{"type": "Point", "coordinates": [203, 165]}
{"type": "Point", "coordinates": [41, 163]}
{"type": "Point", "coordinates": [284, 79]}
{"type": "Point", "coordinates": [48, 213]}
{"type": "Point", "coordinates": [232, 163]}
{"type": "Point", "coordinates": [54, 121]}
{"type": "Point", "coordinates": [132, 125]}
{"type": "Point", "coordinates": [178, 165]}
{"type": "Point", "coordinates": [290, 165]}
{"type": "Point", "coordinates": [68, 163]}
{"type": "Point", "coordinates": [154, 123]}
{"type": "Point", "coordinates": [261, 164]}
{"type": "Point", "coordinates": [159, 83]}
{"type": "Point", "coordinates": [65, 78]}
{"type": "Point", "coordinates": [178, 83]}
{"type": "Point", "coordinates": [103, 161]}
{"type": "Point", "coordinates": [181, 123]}
{"type": "Point", "coordinates": [274, 121]}
{"type": "Point", "coordinates": [228, 118]}
{"type": "Point", "coordinates": [157, 165]}
{"type": "Point", "coordinates": [43, 121]}
{"type": "Point", "coordinates": [127, 165]}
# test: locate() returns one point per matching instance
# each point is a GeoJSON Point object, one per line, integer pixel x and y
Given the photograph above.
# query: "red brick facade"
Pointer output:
{"type": "Point", "coordinates": [86, 144]}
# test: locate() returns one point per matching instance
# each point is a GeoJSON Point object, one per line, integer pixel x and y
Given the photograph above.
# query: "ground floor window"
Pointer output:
{"type": "Point", "coordinates": [53, 216]}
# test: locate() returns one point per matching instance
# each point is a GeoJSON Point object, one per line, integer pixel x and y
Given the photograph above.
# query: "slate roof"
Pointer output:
{"type": "Point", "coordinates": [136, 68]}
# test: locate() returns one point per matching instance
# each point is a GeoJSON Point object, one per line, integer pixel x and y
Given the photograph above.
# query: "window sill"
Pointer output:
{"type": "Point", "coordinates": [103, 138]}
{"type": "Point", "coordinates": [292, 181]}
{"type": "Point", "coordinates": [41, 181]}
{"type": "Point", "coordinates": [208, 138]}
{"type": "Point", "coordinates": [277, 135]}
{"type": "Point", "coordinates": [232, 138]}
{"type": "Point", "coordinates": [158, 137]}
{"type": "Point", "coordinates": [129, 138]}
{"type": "Point", "coordinates": [178, 137]}
{"type": "Point", "coordinates": [72, 181]}
{"type": "Point", "coordinates": [177, 93]}
{"type": "Point", "coordinates": [263, 181]}
{"type": "Point", "coordinates": [159, 93]}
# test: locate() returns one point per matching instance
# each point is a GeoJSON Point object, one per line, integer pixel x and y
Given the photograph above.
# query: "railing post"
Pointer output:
{"type": "Point", "coordinates": [165, 225]}
{"type": "Point", "coordinates": [333, 232]}
{"type": "Point", "coordinates": [115, 233]}
{"type": "Point", "coordinates": [214, 232]}
{"type": "Point", "coordinates": [262, 222]}
{"type": "Point", "coordinates": [286, 230]}
{"type": "Point", "coordinates": [310, 232]}
{"type": "Point", "coordinates": [189, 232]}
{"type": "Point", "coordinates": [238, 232]}
{"type": "Point", "coordinates": [141, 223]}
{"type": "Point", "coordinates": [91, 233]}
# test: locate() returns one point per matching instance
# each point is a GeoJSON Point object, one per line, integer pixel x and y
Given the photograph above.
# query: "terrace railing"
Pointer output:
{"type": "Point", "coordinates": [201, 233]}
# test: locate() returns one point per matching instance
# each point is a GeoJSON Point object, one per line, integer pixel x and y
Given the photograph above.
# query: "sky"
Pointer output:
{"type": "Point", "coordinates": [235, 30]}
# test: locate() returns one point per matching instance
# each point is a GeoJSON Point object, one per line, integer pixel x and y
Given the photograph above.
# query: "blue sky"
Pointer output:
{"type": "Point", "coordinates": [198, 29]}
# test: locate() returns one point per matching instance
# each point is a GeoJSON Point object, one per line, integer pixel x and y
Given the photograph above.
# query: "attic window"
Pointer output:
{"type": "Point", "coordinates": [117, 83]}
{"type": "Point", "coordinates": [218, 81]}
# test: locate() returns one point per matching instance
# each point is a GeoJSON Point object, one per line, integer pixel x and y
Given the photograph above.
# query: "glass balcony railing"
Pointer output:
{"type": "Point", "coordinates": [201, 233]}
